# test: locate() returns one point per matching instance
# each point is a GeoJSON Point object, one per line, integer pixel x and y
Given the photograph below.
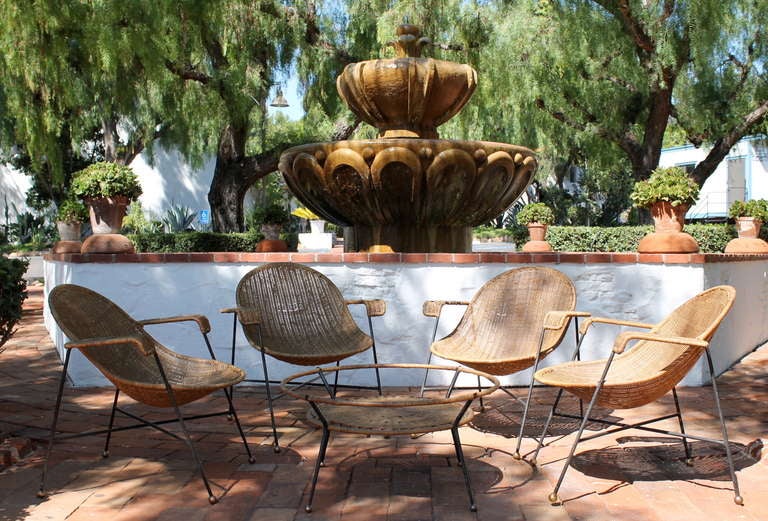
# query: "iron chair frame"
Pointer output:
{"type": "Point", "coordinates": [620, 345]}
{"type": "Point", "coordinates": [467, 397]}
{"type": "Point", "coordinates": [204, 327]}
{"type": "Point", "coordinates": [249, 316]}
{"type": "Point", "coordinates": [553, 320]}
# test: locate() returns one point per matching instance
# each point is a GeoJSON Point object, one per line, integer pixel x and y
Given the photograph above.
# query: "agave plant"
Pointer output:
{"type": "Point", "coordinates": [178, 218]}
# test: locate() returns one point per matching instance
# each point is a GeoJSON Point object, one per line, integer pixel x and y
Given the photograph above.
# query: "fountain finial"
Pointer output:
{"type": "Point", "coordinates": [409, 41]}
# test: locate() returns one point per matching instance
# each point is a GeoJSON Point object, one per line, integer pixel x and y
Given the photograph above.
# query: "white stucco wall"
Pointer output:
{"type": "Point", "coordinates": [641, 292]}
{"type": "Point", "coordinates": [13, 192]}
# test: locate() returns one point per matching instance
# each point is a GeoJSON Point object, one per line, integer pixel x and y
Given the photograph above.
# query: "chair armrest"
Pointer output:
{"type": "Point", "coordinates": [202, 321]}
{"type": "Point", "coordinates": [433, 308]}
{"type": "Point", "coordinates": [616, 322]}
{"type": "Point", "coordinates": [110, 341]}
{"type": "Point", "coordinates": [559, 319]}
{"type": "Point", "coordinates": [247, 316]}
{"type": "Point", "coordinates": [374, 307]}
{"type": "Point", "coordinates": [620, 344]}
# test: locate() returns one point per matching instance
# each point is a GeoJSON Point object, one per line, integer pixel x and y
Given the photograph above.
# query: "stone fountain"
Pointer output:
{"type": "Point", "coordinates": [408, 190]}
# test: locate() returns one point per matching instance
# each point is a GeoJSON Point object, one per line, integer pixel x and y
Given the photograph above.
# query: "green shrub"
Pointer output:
{"type": "Point", "coordinates": [535, 213]}
{"type": "Point", "coordinates": [72, 211]}
{"type": "Point", "coordinates": [105, 179]}
{"type": "Point", "coordinates": [712, 238]}
{"type": "Point", "coordinates": [485, 233]}
{"type": "Point", "coordinates": [757, 208]}
{"type": "Point", "coordinates": [665, 184]}
{"type": "Point", "coordinates": [13, 291]}
{"type": "Point", "coordinates": [194, 242]}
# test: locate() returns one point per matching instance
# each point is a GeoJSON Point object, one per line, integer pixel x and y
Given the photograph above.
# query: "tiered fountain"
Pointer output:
{"type": "Point", "coordinates": [407, 191]}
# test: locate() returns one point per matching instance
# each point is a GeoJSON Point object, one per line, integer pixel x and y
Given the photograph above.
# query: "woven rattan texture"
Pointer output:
{"type": "Point", "coordinates": [648, 370]}
{"type": "Point", "coordinates": [83, 314]}
{"type": "Point", "coordinates": [304, 318]}
{"type": "Point", "coordinates": [500, 330]}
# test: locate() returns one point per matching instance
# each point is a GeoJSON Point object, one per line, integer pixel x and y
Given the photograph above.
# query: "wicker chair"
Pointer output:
{"type": "Point", "coordinates": [648, 370]}
{"type": "Point", "coordinates": [512, 323]}
{"type": "Point", "coordinates": [138, 366]}
{"type": "Point", "coordinates": [297, 315]}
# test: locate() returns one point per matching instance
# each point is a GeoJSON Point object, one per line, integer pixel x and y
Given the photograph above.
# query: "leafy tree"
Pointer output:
{"type": "Point", "coordinates": [617, 72]}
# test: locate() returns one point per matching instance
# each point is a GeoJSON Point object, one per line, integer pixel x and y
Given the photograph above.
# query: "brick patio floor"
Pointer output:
{"type": "Point", "coordinates": [631, 475]}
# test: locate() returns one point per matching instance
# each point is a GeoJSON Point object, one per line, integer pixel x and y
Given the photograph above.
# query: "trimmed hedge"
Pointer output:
{"type": "Point", "coordinates": [194, 242]}
{"type": "Point", "coordinates": [13, 291]}
{"type": "Point", "coordinates": [712, 238]}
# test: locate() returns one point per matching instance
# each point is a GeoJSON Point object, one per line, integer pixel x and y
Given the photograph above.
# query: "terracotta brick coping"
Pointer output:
{"type": "Point", "coordinates": [410, 258]}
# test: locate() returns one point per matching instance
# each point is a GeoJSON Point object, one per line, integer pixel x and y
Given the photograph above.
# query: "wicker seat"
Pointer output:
{"type": "Point", "coordinates": [512, 322]}
{"type": "Point", "coordinates": [651, 368]}
{"type": "Point", "coordinates": [297, 315]}
{"type": "Point", "coordinates": [137, 364]}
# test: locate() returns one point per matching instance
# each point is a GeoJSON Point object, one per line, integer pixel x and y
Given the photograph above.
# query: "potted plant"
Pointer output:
{"type": "Point", "coordinates": [107, 189]}
{"type": "Point", "coordinates": [537, 217]}
{"type": "Point", "coordinates": [272, 217]}
{"type": "Point", "coordinates": [69, 219]}
{"type": "Point", "coordinates": [749, 217]}
{"type": "Point", "coordinates": [668, 193]}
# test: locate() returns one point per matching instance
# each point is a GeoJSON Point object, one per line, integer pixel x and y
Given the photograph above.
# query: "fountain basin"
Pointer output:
{"type": "Point", "coordinates": [408, 195]}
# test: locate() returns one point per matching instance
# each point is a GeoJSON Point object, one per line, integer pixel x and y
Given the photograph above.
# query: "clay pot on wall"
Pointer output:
{"type": "Point", "coordinates": [69, 235]}
{"type": "Point", "coordinates": [271, 241]}
{"type": "Point", "coordinates": [538, 233]}
{"type": "Point", "coordinates": [106, 216]}
{"type": "Point", "coordinates": [748, 241]}
{"type": "Point", "coordinates": [668, 235]}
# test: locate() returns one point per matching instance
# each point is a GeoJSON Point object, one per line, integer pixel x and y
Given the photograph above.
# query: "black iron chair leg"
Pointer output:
{"type": "Point", "coordinates": [686, 445]}
{"type": "Point", "coordinates": [553, 498]}
{"type": "Point", "coordinates": [41, 492]}
{"type": "Point", "coordinates": [516, 454]}
{"type": "Point", "coordinates": [105, 452]}
{"type": "Point", "coordinates": [426, 375]}
{"type": "Point", "coordinates": [212, 499]}
{"type": "Point", "coordinates": [276, 443]}
{"type": "Point", "coordinates": [546, 427]}
{"type": "Point", "coordinates": [736, 494]}
{"type": "Point", "coordinates": [320, 461]}
{"type": "Point", "coordinates": [233, 413]}
{"type": "Point", "coordinates": [232, 354]}
{"type": "Point", "coordinates": [460, 456]}
{"type": "Point", "coordinates": [480, 390]}
{"type": "Point", "coordinates": [375, 355]}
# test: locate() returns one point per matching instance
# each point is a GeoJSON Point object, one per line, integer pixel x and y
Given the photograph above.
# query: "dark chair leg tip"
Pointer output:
{"type": "Point", "coordinates": [213, 500]}
{"type": "Point", "coordinates": [105, 454]}
{"type": "Point", "coordinates": [42, 494]}
{"type": "Point", "coordinates": [308, 509]}
{"type": "Point", "coordinates": [473, 508]}
{"type": "Point", "coordinates": [553, 499]}
{"type": "Point", "coordinates": [517, 456]}
{"type": "Point", "coordinates": [251, 460]}
{"type": "Point", "coordinates": [277, 449]}
{"type": "Point", "coordinates": [738, 500]}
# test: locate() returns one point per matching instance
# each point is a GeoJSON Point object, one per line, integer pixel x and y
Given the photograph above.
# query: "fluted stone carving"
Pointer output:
{"type": "Point", "coordinates": [408, 191]}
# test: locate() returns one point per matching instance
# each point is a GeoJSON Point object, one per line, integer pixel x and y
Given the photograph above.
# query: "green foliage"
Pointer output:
{"type": "Point", "coordinates": [72, 211]}
{"type": "Point", "coordinates": [757, 208]}
{"type": "Point", "coordinates": [178, 218]}
{"type": "Point", "coordinates": [491, 233]}
{"type": "Point", "coordinates": [12, 294]}
{"type": "Point", "coordinates": [274, 213]}
{"type": "Point", "coordinates": [105, 179]}
{"type": "Point", "coordinates": [34, 231]}
{"type": "Point", "coordinates": [712, 238]}
{"type": "Point", "coordinates": [194, 242]}
{"type": "Point", "coordinates": [136, 222]}
{"type": "Point", "coordinates": [535, 212]}
{"type": "Point", "coordinates": [665, 184]}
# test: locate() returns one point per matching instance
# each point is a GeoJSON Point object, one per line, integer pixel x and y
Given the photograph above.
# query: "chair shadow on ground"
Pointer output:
{"type": "Point", "coordinates": [663, 459]}
{"type": "Point", "coordinates": [503, 418]}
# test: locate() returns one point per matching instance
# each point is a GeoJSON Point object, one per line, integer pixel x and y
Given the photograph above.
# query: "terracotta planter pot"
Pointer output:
{"type": "Point", "coordinates": [748, 241]}
{"type": "Point", "coordinates": [668, 237]}
{"type": "Point", "coordinates": [538, 233]}
{"type": "Point", "coordinates": [107, 213]}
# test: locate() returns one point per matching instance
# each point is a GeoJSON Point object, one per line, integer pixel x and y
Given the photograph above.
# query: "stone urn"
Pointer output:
{"type": "Point", "coordinates": [316, 225]}
{"type": "Point", "coordinates": [538, 233]}
{"type": "Point", "coordinates": [668, 235]}
{"type": "Point", "coordinates": [69, 235]}
{"type": "Point", "coordinates": [106, 216]}
{"type": "Point", "coordinates": [749, 240]}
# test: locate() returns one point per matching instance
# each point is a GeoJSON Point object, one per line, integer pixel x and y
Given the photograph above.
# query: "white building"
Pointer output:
{"type": "Point", "coordinates": [741, 176]}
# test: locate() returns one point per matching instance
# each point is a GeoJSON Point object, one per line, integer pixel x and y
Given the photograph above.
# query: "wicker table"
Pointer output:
{"type": "Point", "coordinates": [390, 413]}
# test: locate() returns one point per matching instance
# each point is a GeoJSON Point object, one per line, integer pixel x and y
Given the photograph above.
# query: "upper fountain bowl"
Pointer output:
{"type": "Point", "coordinates": [407, 96]}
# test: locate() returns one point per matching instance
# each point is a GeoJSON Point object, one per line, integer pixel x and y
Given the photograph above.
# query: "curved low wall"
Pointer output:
{"type": "Point", "coordinates": [621, 285]}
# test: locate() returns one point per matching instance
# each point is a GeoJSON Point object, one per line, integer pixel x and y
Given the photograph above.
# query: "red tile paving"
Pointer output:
{"type": "Point", "coordinates": [630, 475]}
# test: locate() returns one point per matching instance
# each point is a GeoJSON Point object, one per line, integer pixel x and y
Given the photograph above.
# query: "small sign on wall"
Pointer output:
{"type": "Point", "coordinates": [204, 217]}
